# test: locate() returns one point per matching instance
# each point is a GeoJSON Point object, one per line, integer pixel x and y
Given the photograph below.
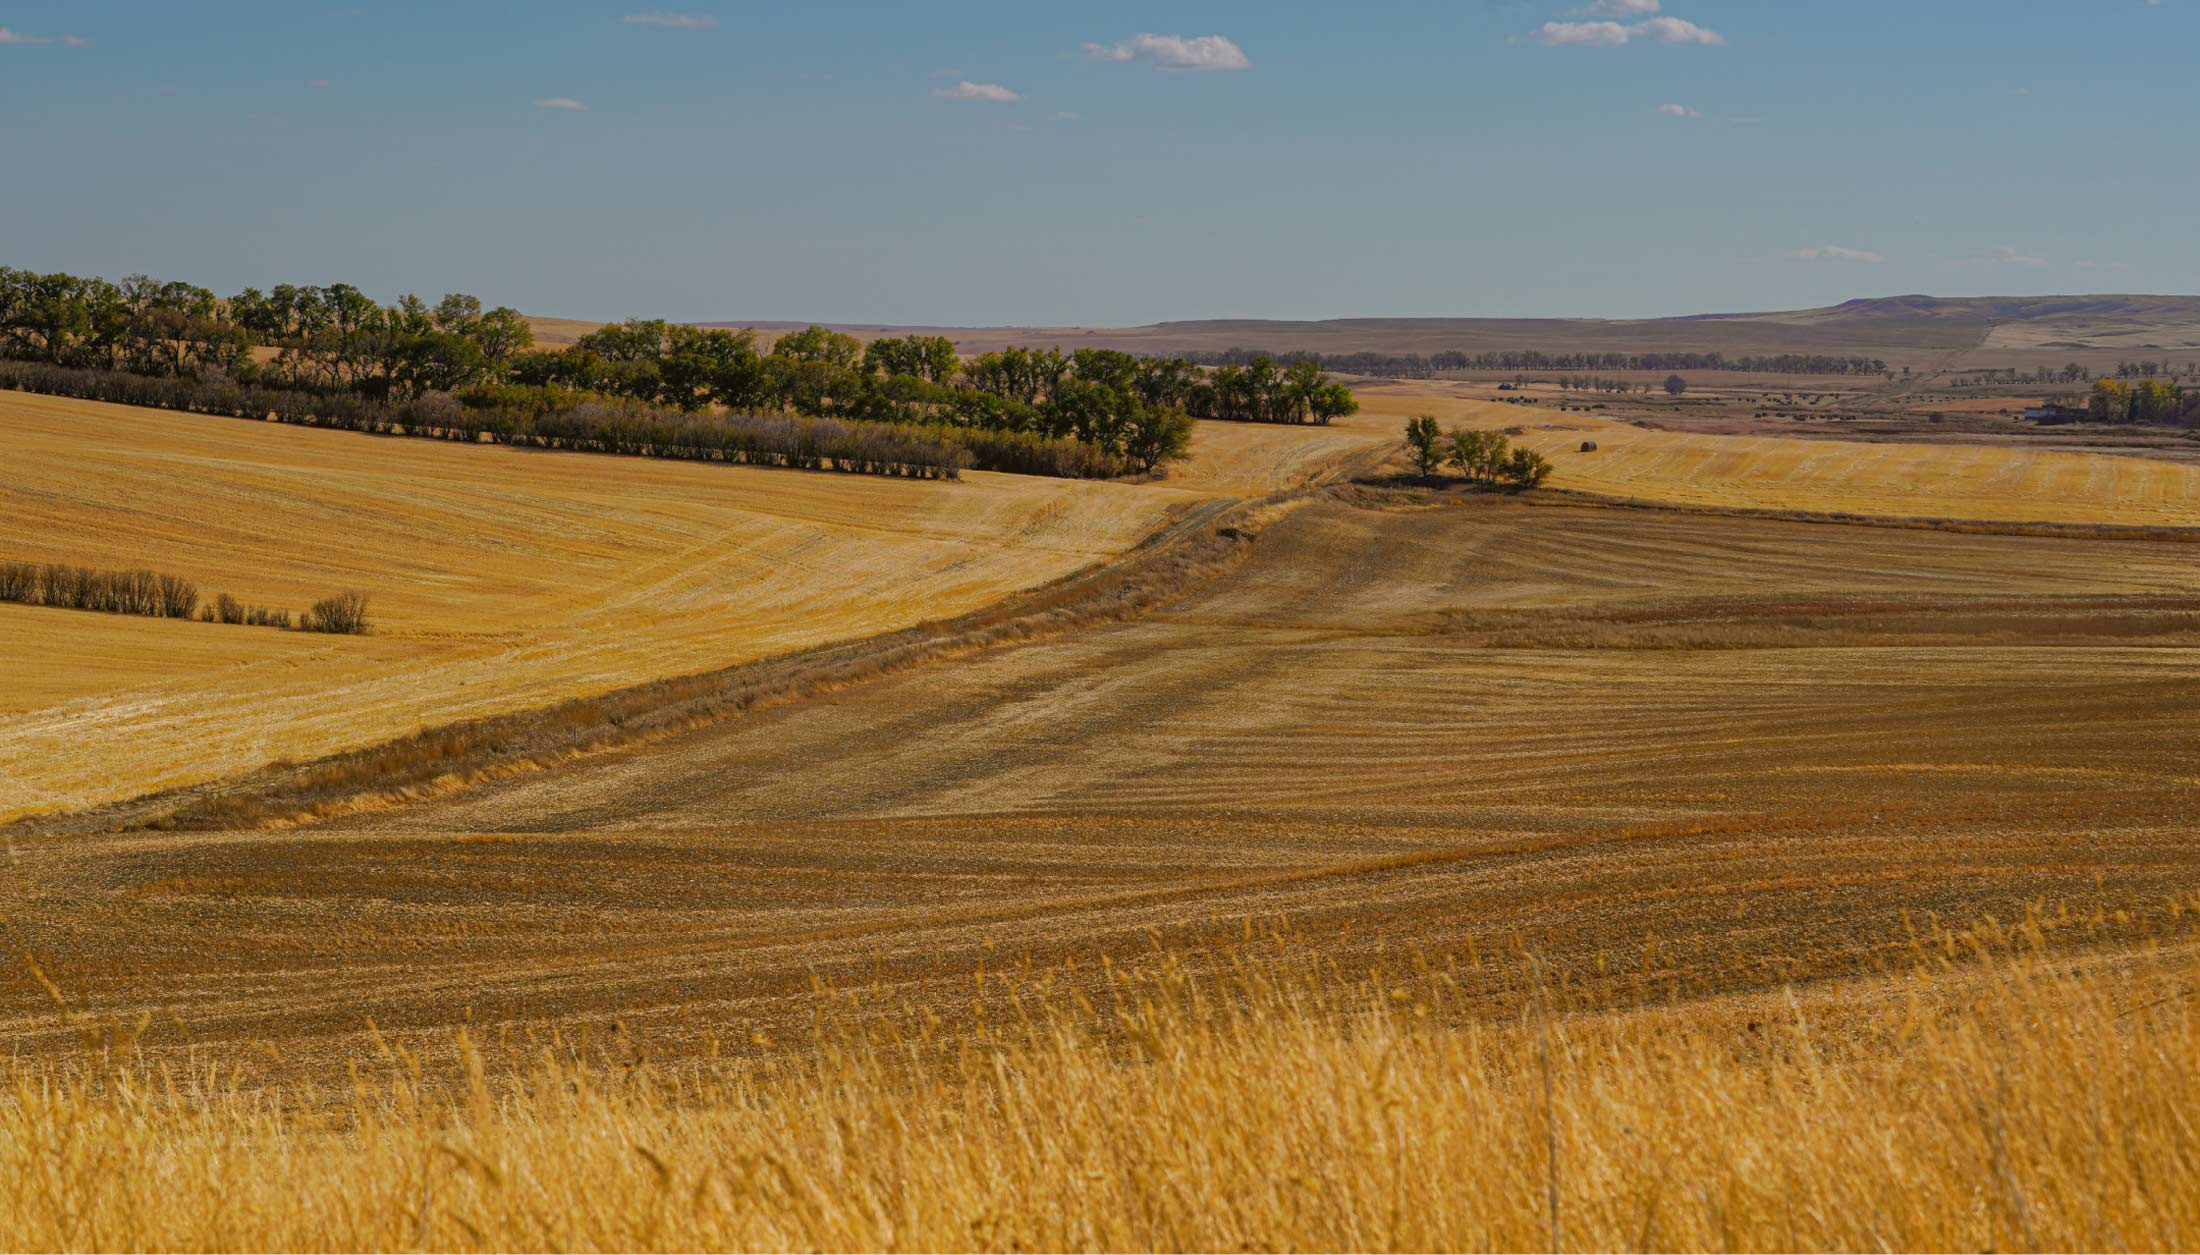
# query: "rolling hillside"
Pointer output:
{"type": "Point", "coordinates": [1915, 331]}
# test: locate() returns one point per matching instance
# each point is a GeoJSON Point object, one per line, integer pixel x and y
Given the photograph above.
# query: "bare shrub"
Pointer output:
{"type": "Point", "coordinates": [178, 597]}
{"type": "Point", "coordinates": [228, 609]}
{"type": "Point", "coordinates": [345, 614]}
{"type": "Point", "coordinates": [18, 582]}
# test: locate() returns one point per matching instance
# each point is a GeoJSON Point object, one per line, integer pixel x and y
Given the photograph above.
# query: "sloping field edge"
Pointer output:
{"type": "Point", "coordinates": [1201, 543]}
{"type": "Point", "coordinates": [1551, 496]}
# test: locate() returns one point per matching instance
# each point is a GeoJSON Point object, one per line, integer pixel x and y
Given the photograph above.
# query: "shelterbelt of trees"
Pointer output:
{"type": "Point", "coordinates": [818, 400]}
{"type": "Point", "coordinates": [2145, 401]}
{"type": "Point", "coordinates": [1421, 366]}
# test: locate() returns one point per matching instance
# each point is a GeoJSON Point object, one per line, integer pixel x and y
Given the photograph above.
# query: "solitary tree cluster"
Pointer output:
{"type": "Point", "coordinates": [160, 596]}
{"type": "Point", "coordinates": [2146, 401]}
{"type": "Point", "coordinates": [1481, 456]}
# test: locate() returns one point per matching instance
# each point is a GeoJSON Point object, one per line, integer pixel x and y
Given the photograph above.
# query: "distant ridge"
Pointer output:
{"type": "Point", "coordinates": [1944, 333]}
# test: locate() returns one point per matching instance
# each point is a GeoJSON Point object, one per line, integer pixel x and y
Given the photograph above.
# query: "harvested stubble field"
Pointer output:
{"type": "Point", "coordinates": [1974, 482]}
{"type": "Point", "coordinates": [500, 579]}
{"type": "Point", "coordinates": [1463, 729]}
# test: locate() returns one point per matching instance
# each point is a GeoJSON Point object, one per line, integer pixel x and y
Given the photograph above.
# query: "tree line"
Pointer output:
{"type": "Point", "coordinates": [1132, 411]}
{"type": "Point", "coordinates": [1017, 406]}
{"type": "Point", "coordinates": [1481, 456]}
{"type": "Point", "coordinates": [160, 596]}
{"type": "Point", "coordinates": [1421, 366]}
{"type": "Point", "coordinates": [2146, 401]}
{"type": "Point", "coordinates": [590, 425]}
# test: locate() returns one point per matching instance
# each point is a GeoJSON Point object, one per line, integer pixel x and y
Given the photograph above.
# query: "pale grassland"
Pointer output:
{"type": "Point", "coordinates": [1971, 483]}
{"type": "Point", "coordinates": [2020, 1103]}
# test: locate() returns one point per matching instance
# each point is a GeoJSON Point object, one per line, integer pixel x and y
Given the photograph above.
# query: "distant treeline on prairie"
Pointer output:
{"type": "Point", "coordinates": [160, 596]}
{"type": "Point", "coordinates": [818, 399]}
{"type": "Point", "coordinates": [1421, 366]}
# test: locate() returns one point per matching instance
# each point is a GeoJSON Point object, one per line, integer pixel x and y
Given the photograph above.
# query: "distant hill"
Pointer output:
{"type": "Point", "coordinates": [1922, 332]}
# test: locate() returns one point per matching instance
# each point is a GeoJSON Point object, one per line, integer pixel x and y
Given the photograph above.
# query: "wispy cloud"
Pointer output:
{"type": "Point", "coordinates": [991, 93]}
{"type": "Point", "coordinates": [1174, 52]}
{"type": "Point", "coordinates": [1664, 30]}
{"type": "Point", "coordinates": [17, 37]}
{"type": "Point", "coordinates": [672, 21]}
{"type": "Point", "coordinates": [1679, 111]}
{"type": "Point", "coordinates": [2003, 256]}
{"type": "Point", "coordinates": [559, 102]}
{"type": "Point", "coordinates": [1834, 252]}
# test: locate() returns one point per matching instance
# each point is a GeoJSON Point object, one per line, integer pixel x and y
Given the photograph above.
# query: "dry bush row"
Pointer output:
{"type": "Point", "coordinates": [159, 596]}
{"type": "Point", "coordinates": [1992, 1099]}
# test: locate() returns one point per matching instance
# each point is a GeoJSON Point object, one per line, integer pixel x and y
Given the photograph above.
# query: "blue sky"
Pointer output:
{"type": "Point", "coordinates": [858, 162]}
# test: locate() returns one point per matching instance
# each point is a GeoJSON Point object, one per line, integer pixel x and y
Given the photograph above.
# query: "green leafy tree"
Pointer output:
{"type": "Point", "coordinates": [1425, 444]}
{"type": "Point", "coordinates": [1476, 454]}
{"type": "Point", "coordinates": [1157, 434]}
{"type": "Point", "coordinates": [1525, 468]}
{"type": "Point", "coordinates": [817, 344]}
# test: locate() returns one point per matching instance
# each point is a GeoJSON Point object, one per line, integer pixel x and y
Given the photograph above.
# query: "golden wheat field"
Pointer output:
{"type": "Point", "coordinates": [499, 578]}
{"type": "Point", "coordinates": [2016, 1104]}
{"type": "Point", "coordinates": [1967, 482]}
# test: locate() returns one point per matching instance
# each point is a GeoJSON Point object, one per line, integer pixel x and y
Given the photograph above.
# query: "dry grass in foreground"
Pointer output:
{"type": "Point", "coordinates": [2016, 1103]}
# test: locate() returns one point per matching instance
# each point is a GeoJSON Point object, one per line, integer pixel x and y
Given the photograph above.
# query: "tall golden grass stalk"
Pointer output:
{"type": "Point", "coordinates": [2022, 1105]}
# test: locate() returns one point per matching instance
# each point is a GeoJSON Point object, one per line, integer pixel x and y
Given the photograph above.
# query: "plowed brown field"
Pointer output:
{"type": "Point", "coordinates": [1731, 752]}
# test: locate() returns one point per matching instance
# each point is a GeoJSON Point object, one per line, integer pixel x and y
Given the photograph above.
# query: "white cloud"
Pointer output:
{"type": "Point", "coordinates": [75, 41]}
{"type": "Point", "coordinates": [1673, 30]}
{"type": "Point", "coordinates": [992, 93]}
{"type": "Point", "coordinates": [672, 21]}
{"type": "Point", "coordinates": [1621, 8]}
{"type": "Point", "coordinates": [2003, 256]}
{"type": "Point", "coordinates": [17, 37]}
{"type": "Point", "coordinates": [1834, 252]}
{"type": "Point", "coordinates": [1679, 111]}
{"type": "Point", "coordinates": [1664, 30]}
{"type": "Point", "coordinates": [1174, 52]}
{"type": "Point", "coordinates": [559, 102]}
{"type": "Point", "coordinates": [1582, 35]}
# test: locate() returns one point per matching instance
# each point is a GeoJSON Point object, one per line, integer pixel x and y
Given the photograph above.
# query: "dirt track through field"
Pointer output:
{"type": "Point", "coordinates": [1735, 750]}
